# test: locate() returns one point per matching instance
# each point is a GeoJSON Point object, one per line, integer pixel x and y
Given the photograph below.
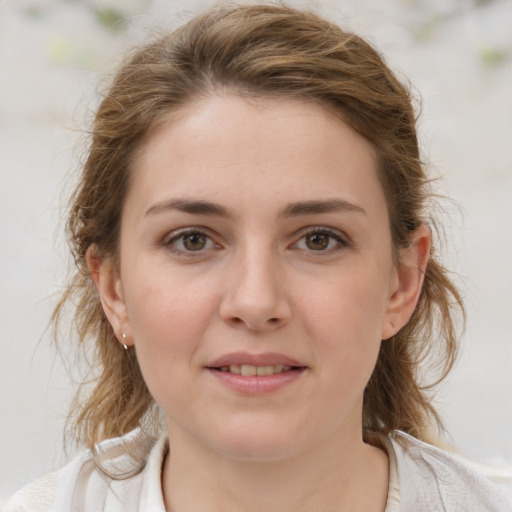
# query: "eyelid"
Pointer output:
{"type": "Point", "coordinates": [342, 239]}
{"type": "Point", "coordinates": [180, 232]}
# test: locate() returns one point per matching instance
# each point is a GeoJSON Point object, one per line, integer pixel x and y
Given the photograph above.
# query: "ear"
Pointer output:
{"type": "Point", "coordinates": [110, 288]}
{"type": "Point", "coordinates": [406, 287]}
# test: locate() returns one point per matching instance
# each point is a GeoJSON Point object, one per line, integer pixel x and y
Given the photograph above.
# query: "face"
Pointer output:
{"type": "Point", "coordinates": [256, 275]}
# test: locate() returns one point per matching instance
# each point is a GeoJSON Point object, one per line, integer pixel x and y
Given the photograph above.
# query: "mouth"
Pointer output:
{"type": "Point", "coordinates": [250, 374]}
{"type": "Point", "coordinates": [248, 370]}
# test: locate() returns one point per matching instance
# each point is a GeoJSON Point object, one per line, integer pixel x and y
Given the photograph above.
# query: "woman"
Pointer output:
{"type": "Point", "coordinates": [256, 276]}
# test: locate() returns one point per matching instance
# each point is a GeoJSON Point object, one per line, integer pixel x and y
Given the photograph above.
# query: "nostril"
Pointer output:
{"type": "Point", "coordinates": [236, 321]}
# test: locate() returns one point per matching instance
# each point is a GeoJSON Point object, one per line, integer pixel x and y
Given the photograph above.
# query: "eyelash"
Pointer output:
{"type": "Point", "coordinates": [341, 242]}
{"type": "Point", "coordinates": [170, 243]}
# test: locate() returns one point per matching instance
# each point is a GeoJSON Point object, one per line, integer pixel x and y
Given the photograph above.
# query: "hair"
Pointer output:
{"type": "Point", "coordinates": [258, 51]}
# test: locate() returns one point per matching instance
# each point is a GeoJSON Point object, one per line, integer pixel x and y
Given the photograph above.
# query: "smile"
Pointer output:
{"type": "Point", "coordinates": [256, 374]}
{"type": "Point", "coordinates": [248, 370]}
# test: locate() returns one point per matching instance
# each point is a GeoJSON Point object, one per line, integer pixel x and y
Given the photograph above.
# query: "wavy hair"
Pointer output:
{"type": "Point", "coordinates": [256, 51]}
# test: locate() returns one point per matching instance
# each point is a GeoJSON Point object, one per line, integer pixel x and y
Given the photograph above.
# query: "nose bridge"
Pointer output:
{"type": "Point", "coordinates": [255, 294]}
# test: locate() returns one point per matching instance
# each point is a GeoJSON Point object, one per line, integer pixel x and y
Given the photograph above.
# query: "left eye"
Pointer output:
{"type": "Point", "coordinates": [320, 241]}
{"type": "Point", "coordinates": [192, 241]}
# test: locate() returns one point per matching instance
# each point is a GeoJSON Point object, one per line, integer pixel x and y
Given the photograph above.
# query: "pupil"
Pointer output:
{"type": "Point", "coordinates": [317, 241]}
{"type": "Point", "coordinates": [194, 241]}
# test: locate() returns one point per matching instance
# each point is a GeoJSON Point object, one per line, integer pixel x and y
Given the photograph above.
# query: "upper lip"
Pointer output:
{"type": "Point", "coordinates": [266, 359]}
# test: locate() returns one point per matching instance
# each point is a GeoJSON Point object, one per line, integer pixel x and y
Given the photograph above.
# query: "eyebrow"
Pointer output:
{"type": "Point", "coordinates": [198, 207]}
{"type": "Point", "coordinates": [190, 206]}
{"type": "Point", "coordinates": [317, 207]}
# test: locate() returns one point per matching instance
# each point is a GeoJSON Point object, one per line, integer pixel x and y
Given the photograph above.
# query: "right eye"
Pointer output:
{"type": "Point", "coordinates": [321, 240]}
{"type": "Point", "coordinates": [190, 241]}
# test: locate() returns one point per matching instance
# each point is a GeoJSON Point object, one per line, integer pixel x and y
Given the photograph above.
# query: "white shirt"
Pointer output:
{"type": "Point", "coordinates": [422, 478]}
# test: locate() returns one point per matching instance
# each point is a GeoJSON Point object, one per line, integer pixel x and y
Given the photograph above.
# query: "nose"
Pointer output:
{"type": "Point", "coordinates": [255, 295]}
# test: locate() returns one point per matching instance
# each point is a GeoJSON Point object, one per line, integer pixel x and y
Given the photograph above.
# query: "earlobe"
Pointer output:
{"type": "Point", "coordinates": [110, 289]}
{"type": "Point", "coordinates": [408, 281]}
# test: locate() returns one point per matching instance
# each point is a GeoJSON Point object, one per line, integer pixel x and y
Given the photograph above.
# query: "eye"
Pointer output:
{"type": "Point", "coordinates": [190, 241]}
{"type": "Point", "coordinates": [320, 240]}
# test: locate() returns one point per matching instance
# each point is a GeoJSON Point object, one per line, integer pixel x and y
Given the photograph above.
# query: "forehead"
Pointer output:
{"type": "Point", "coordinates": [227, 146]}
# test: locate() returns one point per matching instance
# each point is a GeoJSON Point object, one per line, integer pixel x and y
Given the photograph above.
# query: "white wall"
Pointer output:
{"type": "Point", "coordinates": [457, 54]}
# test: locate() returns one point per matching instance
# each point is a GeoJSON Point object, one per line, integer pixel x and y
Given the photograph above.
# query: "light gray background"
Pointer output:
{"type": "Point", "coordinates": [458, 55]}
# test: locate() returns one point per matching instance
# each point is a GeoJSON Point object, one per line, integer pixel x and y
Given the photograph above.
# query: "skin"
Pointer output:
{"type": "Point", "coordinates": [319, 285]}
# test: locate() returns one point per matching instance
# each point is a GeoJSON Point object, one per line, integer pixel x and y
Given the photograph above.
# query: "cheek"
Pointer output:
{"type": "Point", "coordinates": [167, 301]}
{"type": "Point", "coordinates": [349, 304]}
{"type": "Point", "coordinates": [346, 316]}
{"type": "Point", "coordinates": [168, 318]}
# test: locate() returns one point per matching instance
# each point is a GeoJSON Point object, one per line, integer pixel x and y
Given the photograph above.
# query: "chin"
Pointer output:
{"type": "Point", "coordinates": [258, 442]}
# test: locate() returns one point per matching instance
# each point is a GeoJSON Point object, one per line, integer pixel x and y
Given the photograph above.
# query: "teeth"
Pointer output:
{"type": "Point", "coordinates": [248, 370]}
{"type": "Point", "coordinates": [265, 370]}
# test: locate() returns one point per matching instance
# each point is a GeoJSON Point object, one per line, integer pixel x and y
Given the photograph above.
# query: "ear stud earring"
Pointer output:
{"type": "Point", "coordinates": [125, 346]}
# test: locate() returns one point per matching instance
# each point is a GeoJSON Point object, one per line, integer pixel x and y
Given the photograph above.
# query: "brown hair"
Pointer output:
{"type": "Point", "coordinates": [257, 51]}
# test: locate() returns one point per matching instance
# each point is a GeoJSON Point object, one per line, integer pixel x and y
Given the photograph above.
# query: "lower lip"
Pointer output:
{"type": "Point", "coordinates": [253, 385]}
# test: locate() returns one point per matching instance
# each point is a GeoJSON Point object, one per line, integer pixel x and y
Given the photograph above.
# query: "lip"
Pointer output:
{"type": "Point", "coordinates": [265, 359]}
{"type": "Point", "coordinates": [256, 385]}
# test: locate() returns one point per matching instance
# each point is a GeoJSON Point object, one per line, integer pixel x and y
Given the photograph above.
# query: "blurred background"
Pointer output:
{"type": "Point", "coordinates": [54, 53]}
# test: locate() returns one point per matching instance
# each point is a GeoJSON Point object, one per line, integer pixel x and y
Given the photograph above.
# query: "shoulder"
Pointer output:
{"type": "Point", "coordinates": [433, 478]}
{"type": "Point", "coordinates": [109, 477]}
{"type": "Point", "coordinates": [35, 497]}
{"type": "Point", "coordinates": [42, 494]}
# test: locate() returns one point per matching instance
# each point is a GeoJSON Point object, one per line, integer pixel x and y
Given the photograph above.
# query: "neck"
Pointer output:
{"type": "Point", "coordinates": [344, 475]}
